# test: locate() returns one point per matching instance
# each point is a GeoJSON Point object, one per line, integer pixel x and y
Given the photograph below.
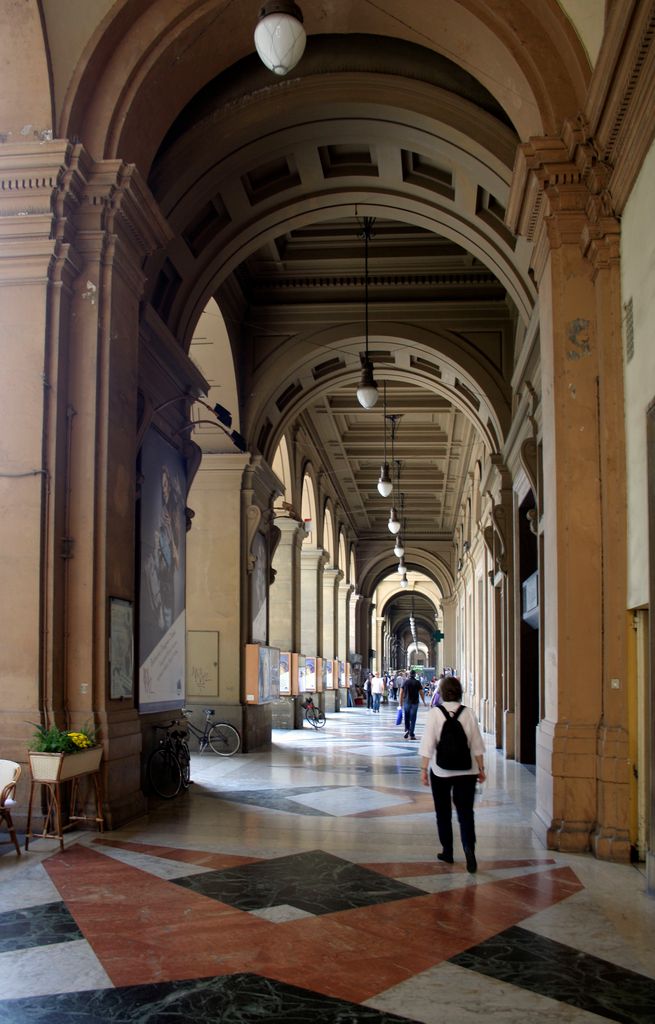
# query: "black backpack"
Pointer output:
{"type": "Point", "coordinates": [453, 751]}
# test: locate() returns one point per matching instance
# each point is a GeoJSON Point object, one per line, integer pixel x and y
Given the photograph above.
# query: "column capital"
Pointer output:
{"type": "Point", "coordinates": [560, 194]}
{"type": "Point", "coordinates": [332, 575]}
{"type": "Point", "coordinates": [313, 557]}
{"type": "Point", "coordinates": [291, 530]}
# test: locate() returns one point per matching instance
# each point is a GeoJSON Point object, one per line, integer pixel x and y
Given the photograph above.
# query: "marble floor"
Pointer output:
{"type": "Point", "coordinates": [301, 884]}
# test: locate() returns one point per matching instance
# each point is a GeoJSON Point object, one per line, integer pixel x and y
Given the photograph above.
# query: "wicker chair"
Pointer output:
{"type": "Point", "coordinates": [9, 776]}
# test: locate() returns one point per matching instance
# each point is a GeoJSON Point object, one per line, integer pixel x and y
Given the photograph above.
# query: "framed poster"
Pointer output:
{"type": "Point", "coordinates": [328, 674]}
{"type": "Point", "coordinates": [310, 674]}
{"type": "Point", "coordinates": [121, 649]}
{"type": "Point", "coordinates": [162, 654]}
{"type": "Point", "coordinates": [302, 674]}
{"type": "Point", "coordinates": [285, 672]}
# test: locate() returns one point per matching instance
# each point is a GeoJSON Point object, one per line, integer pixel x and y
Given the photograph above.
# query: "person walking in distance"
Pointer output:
{"type": "Point", "coordinates": [408, 698]}
{"type": "Point", "coordinates": [452, 750]}
{"type": "Point", "coordinates": [377, 689]}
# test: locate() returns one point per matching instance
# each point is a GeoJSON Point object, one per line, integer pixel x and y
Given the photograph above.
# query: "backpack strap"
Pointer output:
{"type": "Point", "coordinates": [448, 714]}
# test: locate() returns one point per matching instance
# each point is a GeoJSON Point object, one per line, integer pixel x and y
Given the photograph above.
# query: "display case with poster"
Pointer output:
{"type": "Point", "coordinates": [297, 665]}
{"type": "Point", "coordinates": [328, 673]}
{"type": "Point", "coordinates": [302, 673]}
{"type": "Point", "coordinates": [341, 674]}
{"type": "Point", "coordinates": [285, 673]}
{"type": "Point", "coordinates": [262, 674]}
{"type": "Point", "coordinates": [310, 675]}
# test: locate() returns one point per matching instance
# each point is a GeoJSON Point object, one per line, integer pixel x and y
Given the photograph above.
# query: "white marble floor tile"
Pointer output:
{"type": "Point", "coordinates": [579, 921]}
{"type": "Point", "coordinates": [160, 867]}
{"type": "Point", "coordinates": [452, 995]}
{"type": "Point", "coordinates": [348, 800]}
{"type": "Point", "coordinates": [29, 888]}
{"type": "Point", "coordinates": [280, 914]}
{"type": "Point", "coordinates": [47, 970]}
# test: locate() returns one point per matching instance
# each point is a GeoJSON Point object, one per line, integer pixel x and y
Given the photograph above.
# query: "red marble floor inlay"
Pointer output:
{"type": "Point", "coordinates": [397, 869]}
{"type": "Point", "coordinates": [145, 929]}
{"type": "Point", "coordinates": [215, 861]}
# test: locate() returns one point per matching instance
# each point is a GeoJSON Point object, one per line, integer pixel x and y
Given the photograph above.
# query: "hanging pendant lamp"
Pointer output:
{"type": "Point", "coordinates": [385, 484]}
{"type": "Point", "coordinates": [367, 392]}
{"type": "Point", "coordinates": [399, 548]}
{"type": "Point", "coordinates": [279, 36]}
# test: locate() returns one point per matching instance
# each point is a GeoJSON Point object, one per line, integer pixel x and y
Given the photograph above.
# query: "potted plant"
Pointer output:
{"type": "Point", "coordinates": [59, 754]}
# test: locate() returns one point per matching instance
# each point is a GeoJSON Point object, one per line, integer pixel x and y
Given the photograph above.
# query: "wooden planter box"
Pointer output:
{"type": "Point", "coordinates": [59, 767]}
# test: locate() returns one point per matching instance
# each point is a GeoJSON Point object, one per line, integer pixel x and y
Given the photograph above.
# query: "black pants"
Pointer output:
{"type": "Point", "coordinates": [462, 788]}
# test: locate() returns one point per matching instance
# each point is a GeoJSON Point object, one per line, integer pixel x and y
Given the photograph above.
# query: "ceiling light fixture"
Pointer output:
{"type": "Point", "coordinates": [402, 568]}
{"type": "Point", "coordinates": [399, 547]}
{"type": "Point", "coordinates": [367, 392]}
{"type": "Point", "coordinates": [404, 582]}
{"type": "Point", "coordinates": [394, 522]}
{"type": "Point", "coordinates": [385, 485]}
{"type": "Point", "coordinates": [279, 35]}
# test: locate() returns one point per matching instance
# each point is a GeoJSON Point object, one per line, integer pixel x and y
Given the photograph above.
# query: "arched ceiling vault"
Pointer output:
{"type": "Point", "coordinates": [380, 565]}
{"type": "Point", "coordinates": [144, 64]}
{"type": "Point", "coordinates": [398, 112]}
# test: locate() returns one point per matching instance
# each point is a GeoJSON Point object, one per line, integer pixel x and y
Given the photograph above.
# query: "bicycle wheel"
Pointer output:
{"type": "Point", "coordinates": [164, 773]}
{"type": "Point", "coordinates": [310, 716]}
{"type": "Point", "coordinates": [183, 755]}
{"type": "Point", "coordinates": [320, 718]}
{"type": "Point", "coordinates": [224, 739]}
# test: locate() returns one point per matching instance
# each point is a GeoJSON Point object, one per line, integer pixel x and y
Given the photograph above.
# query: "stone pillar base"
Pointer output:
{"type": "Point", "coordinates": [650, 873]}
{"type": "Point", "coordinates": [612, 844]}
{"type": "Point", "coordinates": [509, 745]}
{"type": "Point", "coordinates": [256, 728]}
{"type": "Point", "coordinates": [328, 701]}
{"type": "Point", "coordinates": [283, 713]}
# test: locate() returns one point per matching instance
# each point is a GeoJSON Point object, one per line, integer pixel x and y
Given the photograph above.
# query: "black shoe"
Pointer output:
{"type": "Point", "coordinates": [471, 862]}
{"type": "Point", "coordinates": [406, 735]}
{"type": "Point", "coordinates": [412, 737]}
{"type": "Point", "coordinates": [445, 857]}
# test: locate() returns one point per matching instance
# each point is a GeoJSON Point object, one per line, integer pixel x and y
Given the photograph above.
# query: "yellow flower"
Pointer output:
{"type": "Point", "coordinates": [80, 739]}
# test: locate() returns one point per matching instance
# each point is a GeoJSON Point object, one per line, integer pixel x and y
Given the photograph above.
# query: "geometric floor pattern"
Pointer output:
{"type": "Point", "coordinates": [215, 909]}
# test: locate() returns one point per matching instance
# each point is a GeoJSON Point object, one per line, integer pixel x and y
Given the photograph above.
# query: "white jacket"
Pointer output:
{"type": "Point", "coordinates": [432, 732]}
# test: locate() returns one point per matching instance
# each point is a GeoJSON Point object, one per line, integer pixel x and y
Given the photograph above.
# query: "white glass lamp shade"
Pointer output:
{"type": "Point", "coordinates": [394, 522]}
{"type": "Point", "coordinates": [404, 582]}
{"type": "Point", "coordinates": [385, 486]}
{"type": "Point", "coordinates": [367, 392]}
{"type": "Point", "coordinates": [279, 36]}
{"type": "Point", "coordinates": [402, 568]}
{"type": "Point", "coordinates": [399, 549]}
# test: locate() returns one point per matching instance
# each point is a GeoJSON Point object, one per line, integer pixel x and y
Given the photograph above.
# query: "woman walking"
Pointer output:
{"type": "Point", "coordinates": [452, 749]}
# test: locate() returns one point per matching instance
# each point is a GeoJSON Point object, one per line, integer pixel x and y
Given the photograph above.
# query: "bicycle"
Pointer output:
{"type": "Point", "coordinates": [222, 737]}
{"type": "Point", "coordinates": [169, 764]}
{"type": "Point", "coordinates": [313, 715]}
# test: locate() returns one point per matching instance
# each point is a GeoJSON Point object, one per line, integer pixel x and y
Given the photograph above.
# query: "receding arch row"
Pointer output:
{"type": "Point", "coordinates": [484, 399]}
{"type": "Point", "coordinates": [383, 564]}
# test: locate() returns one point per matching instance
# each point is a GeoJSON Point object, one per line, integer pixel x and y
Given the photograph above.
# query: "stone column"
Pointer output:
{"type": "Point", "coordinates": [343, 620]}
{"type": "Point", "coordinates": [214, 573]}
{"type": "Point", "coordinates": [312, 561]}
{"type": "Point", "coordinates": [559, 199]}
{"type": "Point", "coordinates": [331, 580]}
{"type": "Point", "coordinates": [75, 233]}
{"type": "Point", "coordinates": [285, 592]}
{"type": "Point", "coordinates": [260, 488]}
